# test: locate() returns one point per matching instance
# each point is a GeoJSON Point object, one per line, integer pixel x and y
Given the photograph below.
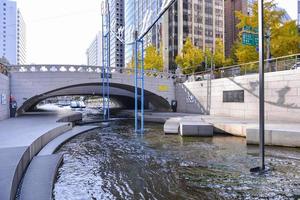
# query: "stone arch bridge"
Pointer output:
{"type": "Point", "coordinates": [31, 84]}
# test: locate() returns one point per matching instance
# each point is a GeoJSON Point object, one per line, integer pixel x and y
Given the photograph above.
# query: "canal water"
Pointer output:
{"type": "Point", "coordinates": [114, 163]}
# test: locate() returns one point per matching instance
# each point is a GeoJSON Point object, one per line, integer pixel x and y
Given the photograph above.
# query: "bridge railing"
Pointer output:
{"type": "Point", "coordinates": [289, 62]}
{"type": "Point", "coordinates": [86, 68]}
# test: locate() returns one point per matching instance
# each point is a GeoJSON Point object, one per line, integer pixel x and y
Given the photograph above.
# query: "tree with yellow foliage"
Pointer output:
{"type": "Point", "coordinates": [190, 57]}
{"type": "Point", "coordinates": [284, 40]}
{"type": "Point", "coordinates": [219, 56]}
{"type": "Point", "coordinates": [153, 59]}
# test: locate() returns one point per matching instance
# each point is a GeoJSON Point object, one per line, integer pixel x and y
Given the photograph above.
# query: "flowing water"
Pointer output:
{"type": "Point", "coordinates": [115, 163]}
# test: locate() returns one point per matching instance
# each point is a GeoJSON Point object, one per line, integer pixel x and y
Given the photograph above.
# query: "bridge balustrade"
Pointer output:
{"type": "Point", "coordinates": [89, 69]}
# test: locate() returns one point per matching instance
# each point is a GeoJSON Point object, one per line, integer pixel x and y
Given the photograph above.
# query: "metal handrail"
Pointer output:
{"type": "Point", "coordinates": [275, 64]}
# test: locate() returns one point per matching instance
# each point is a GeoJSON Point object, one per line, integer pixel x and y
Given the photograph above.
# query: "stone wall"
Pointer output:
{"type": "Point", "coordinates": [4, 97]}
{"type": "Point", "coordinates": [282, 96]}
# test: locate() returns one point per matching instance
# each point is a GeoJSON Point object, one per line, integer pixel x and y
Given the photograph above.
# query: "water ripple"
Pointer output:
{"type": "Point", "coordinates": [115, 163]}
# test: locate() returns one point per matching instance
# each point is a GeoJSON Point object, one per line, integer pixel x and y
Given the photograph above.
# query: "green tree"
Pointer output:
{"type": "Point", "coordinates": [245, 53]}
{"type": "Point", "coordinates": [281, 33]}
{"type": "Point", "coordinates": [131, 64]}
{"type": "Point", "coordinates": [219, 56]}
{"type": "Point", "coordinates": [272, 16]}
{"type": "Point", "coordinates": [153, 59]}
{"type": "Point", "coordinates": [285, 40]}
{"type": "Point", "coordinates": [190, 57]}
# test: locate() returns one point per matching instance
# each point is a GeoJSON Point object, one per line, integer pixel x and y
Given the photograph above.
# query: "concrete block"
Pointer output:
{"type": "Point", "coordinates": [276, 137]}
{"type": "Point", "coordinates": [252, 136]}
{"type": "Point", "coordinates": [171, 126]}
{"type": "Point", "coordinates": [201, 129]}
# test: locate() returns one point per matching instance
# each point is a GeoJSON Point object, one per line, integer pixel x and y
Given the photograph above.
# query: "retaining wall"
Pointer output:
{"type": "Point", "coordinates": [4, 97]}
{"type": "Point", "coordinates": [282, 96]}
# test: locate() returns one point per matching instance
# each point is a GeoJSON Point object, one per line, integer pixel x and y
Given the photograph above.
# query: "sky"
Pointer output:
{"type": "Point", "coordinates": [60, 31]}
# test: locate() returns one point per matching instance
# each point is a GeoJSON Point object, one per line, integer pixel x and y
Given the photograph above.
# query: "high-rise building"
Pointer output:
{"type": "Point", "coordinates": [94, 52]}
{"type": "Point", "coordinates": [116, 8]}
{"type": "Point", "coordinates": [200, 20]}
{"type": "Point", "coordinates": [12, 33]}
{"type": "Point", "coordinates": [231, 21]}
{"type": "Point", "coordinates": [135, 14]}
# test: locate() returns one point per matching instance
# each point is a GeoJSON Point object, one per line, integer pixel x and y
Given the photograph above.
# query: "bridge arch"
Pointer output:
{"type": "Point", "coordinates": [123, 94]}
{"type": "Point", "coordinates": [33, 83]}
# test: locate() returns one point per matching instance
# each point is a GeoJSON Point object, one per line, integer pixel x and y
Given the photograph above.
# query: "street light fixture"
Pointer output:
{"type": "Point", "coordinates": [261, 168]}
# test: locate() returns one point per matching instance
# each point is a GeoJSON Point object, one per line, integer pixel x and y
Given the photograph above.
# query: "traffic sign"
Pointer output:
{"type": "Point", "coordinates": [250, 36]}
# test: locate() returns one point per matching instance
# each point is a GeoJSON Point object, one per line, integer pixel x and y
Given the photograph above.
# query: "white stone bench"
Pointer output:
{"type": "Point", "coordinates": [196, 128]}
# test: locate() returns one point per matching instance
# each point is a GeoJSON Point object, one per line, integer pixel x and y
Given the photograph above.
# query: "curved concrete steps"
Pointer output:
{"type": "Point", "coordinates": [20, 140]}
{"type": "Point", "coordinates": [39, 178]}
{"type": "Point", "coordinates": [11, 170]}
{"type": "Point", "coordinates": [14, 160]}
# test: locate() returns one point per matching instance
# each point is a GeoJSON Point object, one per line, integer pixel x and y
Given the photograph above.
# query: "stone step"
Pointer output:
{"type": "Point", "coordinates": [39, 178]}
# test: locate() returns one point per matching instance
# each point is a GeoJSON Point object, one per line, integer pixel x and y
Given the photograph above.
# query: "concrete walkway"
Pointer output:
{"type": "Point", "coordinates": [20, 140]}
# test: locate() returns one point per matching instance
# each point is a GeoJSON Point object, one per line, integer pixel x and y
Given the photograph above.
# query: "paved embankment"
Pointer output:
{"type": "Point", "coordinates": [20, 140]}
{"type": "Point", "coordinates": [41, 173]}
{"type": "Point", "coordinates": [277, 133]}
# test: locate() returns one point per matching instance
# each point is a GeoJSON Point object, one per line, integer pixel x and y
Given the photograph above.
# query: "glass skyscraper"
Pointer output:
{"type": "Point", "coordinates": [116, 8]}
{"type": "Point", "coordinates": [200, 20]}
{"type": "Point", "coordinates": [135, 12]}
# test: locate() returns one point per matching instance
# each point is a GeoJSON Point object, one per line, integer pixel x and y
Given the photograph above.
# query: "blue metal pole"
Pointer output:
{"type": "Point", "coordinates": [108, 66]}
{"type": "Point", "coordinates": [103, 65]}
{"type": "Point", "coordinates": [136, 86]}
{"type": "Point", "coordinates": [142, 87]}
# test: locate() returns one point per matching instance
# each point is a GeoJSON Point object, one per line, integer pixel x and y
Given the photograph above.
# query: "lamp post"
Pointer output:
{"type": "Point", "coordinates": [261, 167]}
{"type": "Point", "coordinates": [261, 85]}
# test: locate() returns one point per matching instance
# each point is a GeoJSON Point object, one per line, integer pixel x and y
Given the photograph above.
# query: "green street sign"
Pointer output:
{"type": "Point", "coordinates": [250, 36]}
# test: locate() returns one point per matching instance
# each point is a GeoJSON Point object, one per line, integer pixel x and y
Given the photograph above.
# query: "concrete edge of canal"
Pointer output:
{"type": "Point", "coordinates": [22, 149]}
{"type": "Point", "coordinates": [285, 134]}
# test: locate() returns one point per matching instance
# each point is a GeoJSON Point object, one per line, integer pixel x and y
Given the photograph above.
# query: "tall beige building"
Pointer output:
{"type": "Point", "coordinates": [201, 20]}
{"type": "Point", "coordinates": [231, 21]}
